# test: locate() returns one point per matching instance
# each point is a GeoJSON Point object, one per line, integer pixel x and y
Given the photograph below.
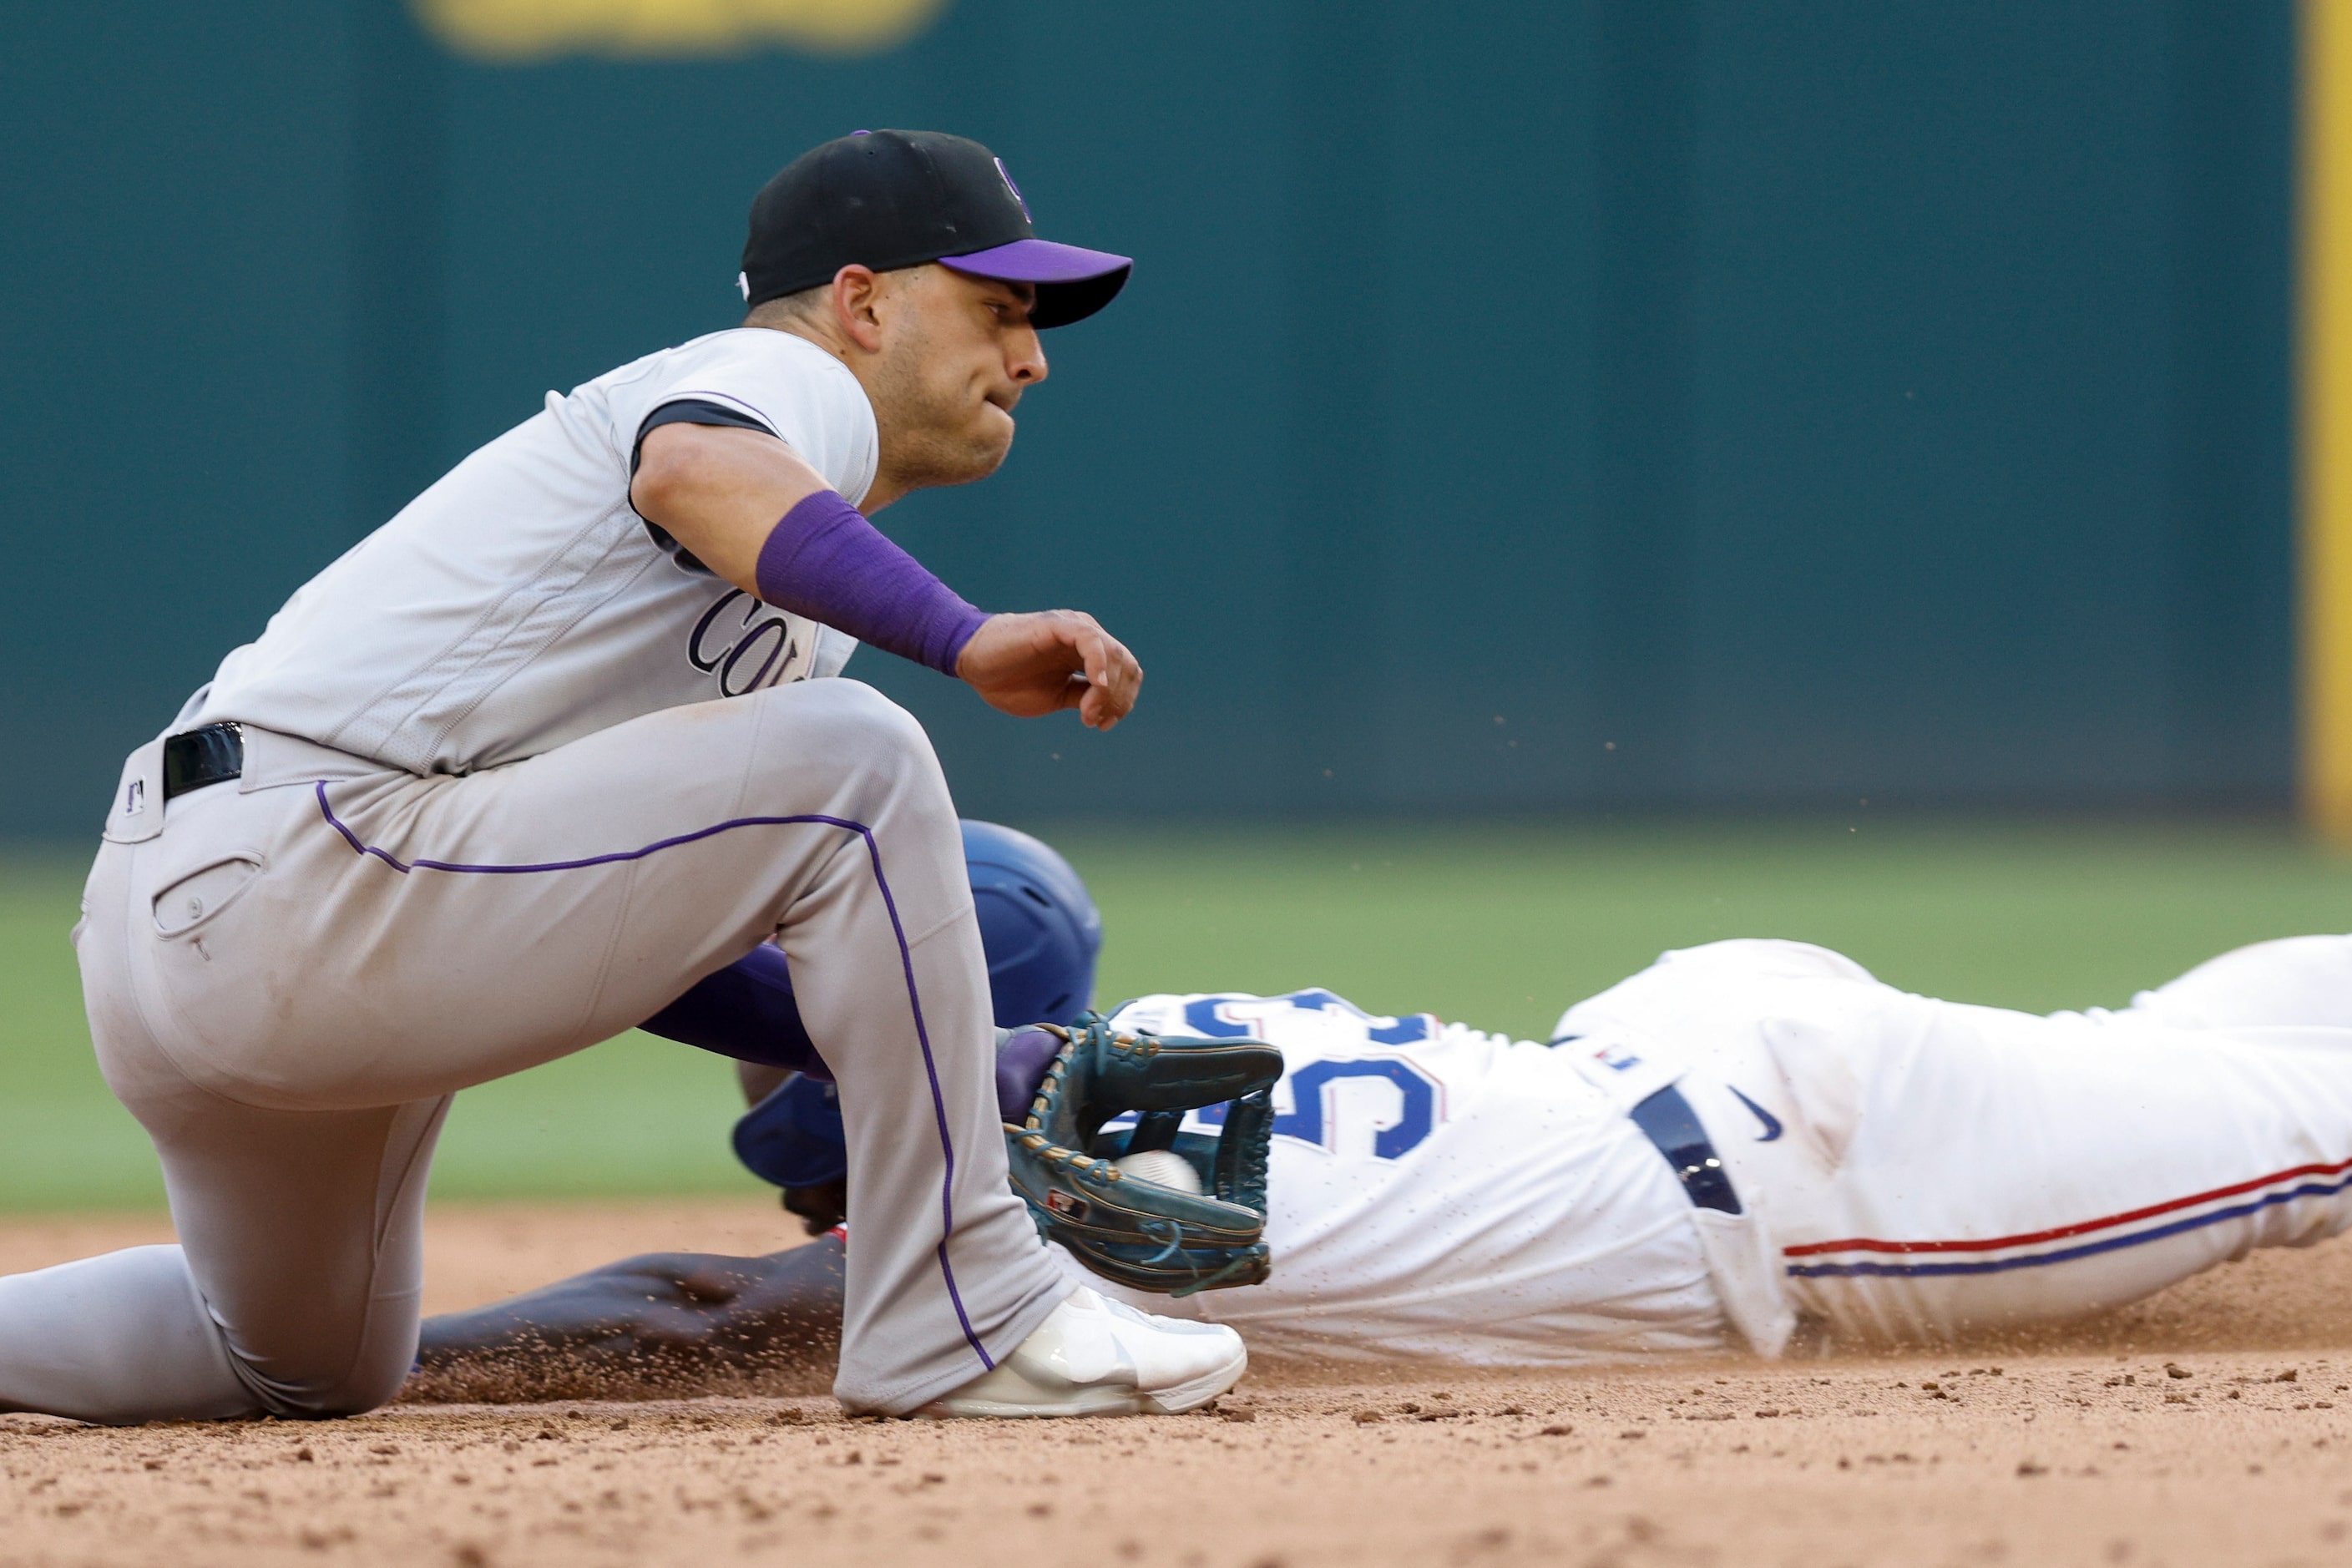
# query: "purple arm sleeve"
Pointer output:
{"type": "Point", "coordinates": [824, 561]}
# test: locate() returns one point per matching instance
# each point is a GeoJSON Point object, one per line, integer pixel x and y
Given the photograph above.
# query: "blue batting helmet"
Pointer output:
{"type": "Point", "coordinates": [1037, 924]}
{"type": "Point", "coordinates": [1040, 933]}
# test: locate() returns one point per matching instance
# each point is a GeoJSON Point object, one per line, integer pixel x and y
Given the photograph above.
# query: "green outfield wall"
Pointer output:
{"type": "Point", "coordinates": [1582, 407]}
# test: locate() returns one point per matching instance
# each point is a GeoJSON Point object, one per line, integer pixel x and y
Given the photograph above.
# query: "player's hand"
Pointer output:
{"type": "Point", "coordinates": [1045, 660]}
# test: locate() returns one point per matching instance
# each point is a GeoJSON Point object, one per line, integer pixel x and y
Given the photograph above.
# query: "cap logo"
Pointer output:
{"type": "Point", "coordinates": [1006, 176]}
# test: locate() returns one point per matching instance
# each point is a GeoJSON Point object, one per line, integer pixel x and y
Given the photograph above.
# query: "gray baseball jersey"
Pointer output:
{"type": "Point", "coordinates": [490, 813]}
{"type": "Point", "coordinates": [521, 603]}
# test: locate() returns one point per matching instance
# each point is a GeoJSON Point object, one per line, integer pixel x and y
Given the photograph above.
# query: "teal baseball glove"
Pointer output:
{"type": "Point", "coordinates": [1153, 1235]}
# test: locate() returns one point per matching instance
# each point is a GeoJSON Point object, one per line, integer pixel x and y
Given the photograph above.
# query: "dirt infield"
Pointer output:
{"type": "Point", "coordinates": [2212, 1426]}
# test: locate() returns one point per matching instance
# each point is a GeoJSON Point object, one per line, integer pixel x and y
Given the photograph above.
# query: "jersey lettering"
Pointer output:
{"type": "Point", "coordinates": [770, 641]}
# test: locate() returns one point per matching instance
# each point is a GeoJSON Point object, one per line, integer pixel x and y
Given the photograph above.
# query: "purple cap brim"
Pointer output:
{"type": "Point", "coordinates": [1039, 261]}
{"type": "Point", "coordinates": [1072, 282]}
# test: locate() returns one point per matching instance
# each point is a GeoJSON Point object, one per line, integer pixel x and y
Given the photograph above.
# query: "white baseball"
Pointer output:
{"type": "Point", "coordinates": [1164, 1166]}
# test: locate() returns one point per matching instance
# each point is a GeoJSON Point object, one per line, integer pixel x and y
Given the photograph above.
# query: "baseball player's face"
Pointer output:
{"type": "Point", "coordinates": [955, 353]}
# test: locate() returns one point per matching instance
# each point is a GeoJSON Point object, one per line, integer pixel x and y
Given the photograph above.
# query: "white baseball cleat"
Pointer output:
{"type": "Point", "coordinates": [1098, 1357]}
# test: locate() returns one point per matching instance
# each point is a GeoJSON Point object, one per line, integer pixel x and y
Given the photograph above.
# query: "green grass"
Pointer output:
{"type": "Point", "coordinates": [1504, 927]}
{"type": "Point", "coordinates": [1500, 927]}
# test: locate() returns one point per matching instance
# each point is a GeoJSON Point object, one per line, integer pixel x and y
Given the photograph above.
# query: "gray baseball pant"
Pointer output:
{"type": "Point", "coordinates": [288, 975]}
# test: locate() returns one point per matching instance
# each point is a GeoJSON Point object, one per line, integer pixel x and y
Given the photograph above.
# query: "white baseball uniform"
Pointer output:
{"type": "Point", "coordinates": [1910, 1169]}
{"type": "Point", "coordinates": [517, 772]}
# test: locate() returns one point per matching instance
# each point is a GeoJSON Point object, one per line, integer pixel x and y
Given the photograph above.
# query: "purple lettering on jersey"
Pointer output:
{"type": "Point", "coordinates": [824, 561]}
{"type": "Point", "coordinates": [723, 653]}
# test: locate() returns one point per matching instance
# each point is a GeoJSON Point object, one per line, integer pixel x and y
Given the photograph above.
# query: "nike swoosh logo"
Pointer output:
{"type": "Point", "coordinates": [1772, 1128]}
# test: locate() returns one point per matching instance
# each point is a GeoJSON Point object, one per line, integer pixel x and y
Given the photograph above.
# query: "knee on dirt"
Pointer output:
{"type": "Point", "coordinates": [366, 1383]}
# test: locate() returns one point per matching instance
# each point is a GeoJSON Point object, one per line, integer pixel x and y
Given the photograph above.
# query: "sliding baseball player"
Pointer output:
{"type": "Point", "coordinates": [1744, 1140]}
{"type": "Point", "coordinates": [548, 751]}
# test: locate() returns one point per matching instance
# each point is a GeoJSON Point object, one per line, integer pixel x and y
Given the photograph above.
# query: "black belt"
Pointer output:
{"type": "Point", "coordinates": [210, 756]}
{"type": "Point", "coordinates": [1671, 1123]}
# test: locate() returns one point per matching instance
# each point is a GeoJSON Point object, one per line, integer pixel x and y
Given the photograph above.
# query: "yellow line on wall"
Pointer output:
{"type": "Point", "coordinates": [519, 31]}
{"type": "Point", "coordinates": [2325, 444]}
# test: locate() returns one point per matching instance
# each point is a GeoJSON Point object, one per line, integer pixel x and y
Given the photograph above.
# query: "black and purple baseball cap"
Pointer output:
{"type": "Point", "coordinates": [887, 199]}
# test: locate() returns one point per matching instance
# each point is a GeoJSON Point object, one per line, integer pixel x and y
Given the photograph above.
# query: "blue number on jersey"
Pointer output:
{"type": "Point", "coordinates": [1416, 1105]}
{"type": "Point", "coordinates": [1417, 1095]}
{"type": "Point", "coordinates": [1204, 1018]}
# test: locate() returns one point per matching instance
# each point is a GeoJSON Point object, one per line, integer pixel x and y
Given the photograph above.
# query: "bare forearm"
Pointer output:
{"type": "Point", "coordinates": [746, 506]}
{"type": "Point", "coordinates": [719, 492]}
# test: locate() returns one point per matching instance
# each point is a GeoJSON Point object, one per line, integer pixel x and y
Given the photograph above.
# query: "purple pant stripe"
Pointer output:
{"type": "Point", "coordinates": [938, 1099]}
{"type": "Point", "coordinates": [906, 961]}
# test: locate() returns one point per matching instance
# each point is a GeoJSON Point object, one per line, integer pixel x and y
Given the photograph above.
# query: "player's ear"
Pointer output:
{"type": "Point", "coordinates": [856, 296]}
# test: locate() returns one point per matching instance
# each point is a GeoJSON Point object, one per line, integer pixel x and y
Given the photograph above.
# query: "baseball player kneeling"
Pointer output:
{"type": "Point", "coordinates": [549, 750]}
{"type": "Point", "coordinates": [1745, 1139]}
